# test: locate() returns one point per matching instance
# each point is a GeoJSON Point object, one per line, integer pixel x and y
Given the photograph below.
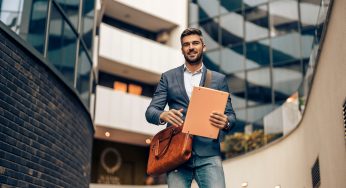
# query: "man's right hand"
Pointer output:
{"type": "Point", "coordinates": [173, 117]}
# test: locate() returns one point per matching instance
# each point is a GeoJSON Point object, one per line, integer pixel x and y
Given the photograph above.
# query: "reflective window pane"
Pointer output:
{"type": "Point", "coordinates": [210, 31]}
{"type": "Point", "coordinates": [230, 6]}
{"type": "Point", "coordinates": [88, 23]}
{"type": "Point", "coordinates": [83, 76]}
{"type": "Point", "coordinates": [37, 23]}
{"type": "Point", "coordinates": [11, 13]}
{"type": "Point", "coordinates": [62, 45]}
{"type": "Point", "coordinates": [71, 9]}
{"type": "Point", "coordinates": [257, 112]}
{"type": "Point", "coordinates": [259, 86]}
{"type": "Point", "coordinates": [232, 59]}
{"type": "Point", "coordinates": [212, 60]}
{"type": "Point", "coordinates": [286, 48]}
{"type": "Point", "coordinates": [283, 16]}
{"type": "Point", "coordinates": [193, 12]}
{"type": "Point", "coordinates": [257, 23]}
{"type": "Point", "coordinates": [208, 9]}
{"type": "Point", "coordinates": [237, 87]}
{"type": "Point", "coordinates": [307, 38]}
{"type": "Point", "coordinates": [257, 54]}
{"type": "Point", "coordinates": [11, 5]}
{"type": "Point", "coordinates": [240, 121]}
{"type": "Point", "coordinates": [26, 18]}
{"type": "Point", "coordinates": [286, 80]}
{"type": "Point", "coordinates": [309, 12]}
{"type": "Point", "coordinates": [194, 25]}
{"type": "Point", "coordinates": [232, 31]}
{"type": "Point", "coordinates": [305, 65]}
{"type": "Point", "coordinates": [251, 3]}
{"type": "Point", "coordinates": [200, 10]}
{"type": "Point", "coordinates": [257, 125]}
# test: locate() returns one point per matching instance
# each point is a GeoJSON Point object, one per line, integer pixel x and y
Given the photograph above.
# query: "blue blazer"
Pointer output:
{"type": "Point", "coordinates": [171, 91]}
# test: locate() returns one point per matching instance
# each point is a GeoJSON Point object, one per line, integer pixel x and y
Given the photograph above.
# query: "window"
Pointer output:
{"type": "Point", "coordinates": [257, 23]}
{"type": "Point", "coordinates": [71, 9]}
{"type": "Point", "coordinates": [229, 6]}
{"type": "Point", "coordinates": [258, 86]}
{"type": "Point", "coordinates": [315, 174]}
{"type": "Point", "coordinates": [237, 87]}
{"type": "Point", "coordinates": [232, 31]}
{"type": "Point", "coordinates": [88, 23]}
{"type": "Point", "coordinates": [211, 60]}
{"type": "Point", "coordinates": [62, 45]}
{"type": "Point", "coordinates": [84, 71]}
{"type": "Point", "coordinates": [135, 89]}
{"type": "Point", "coordinates": [210, 30]}
{"type": "Point", "coordinates": [251, 3]}
{"type": "Point", "coordinates": [309, 13]}
{"type": "Point", "coordinates": [286, 79]}
{"type": "Point", "coordinates": [283, 16]}
{"type": "Point", "coordinates": [120, 86]}
{"type": "Point", "coordinates": [257, 54]}
{"type": "Point", "coordinates": [286, 48]}
{"type": "Point", "coordinates": [232, 59]}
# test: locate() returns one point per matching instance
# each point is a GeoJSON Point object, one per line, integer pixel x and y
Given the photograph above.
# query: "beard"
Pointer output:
{"type": "Point", "coordinates": [193, 61]}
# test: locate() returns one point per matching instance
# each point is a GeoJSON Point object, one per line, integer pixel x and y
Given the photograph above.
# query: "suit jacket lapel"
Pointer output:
{"type": "Point", "coordinates": [180, 79]}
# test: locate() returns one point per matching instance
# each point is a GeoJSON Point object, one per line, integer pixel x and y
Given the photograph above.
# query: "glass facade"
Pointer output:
{"type": "Point", "coordinates": [62, 31]}
{"type": "Point", "coordinates": [261, 45]}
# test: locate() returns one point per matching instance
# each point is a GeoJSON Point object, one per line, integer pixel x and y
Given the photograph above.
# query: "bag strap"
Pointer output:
{"type": "Point", "coordinates": [157, 149]}
{"type": "Point", "coordinates": [207, 80]}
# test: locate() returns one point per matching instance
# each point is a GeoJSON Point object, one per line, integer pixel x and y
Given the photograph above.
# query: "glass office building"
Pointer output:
{"type": "Point", "coordinates": [62, 31]}
{"type": "Point", "coordinates": [263, 46]}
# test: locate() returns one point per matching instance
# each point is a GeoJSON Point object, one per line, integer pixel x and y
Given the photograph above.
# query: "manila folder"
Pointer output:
{"type": "Point", "coordinates": [202, 103]}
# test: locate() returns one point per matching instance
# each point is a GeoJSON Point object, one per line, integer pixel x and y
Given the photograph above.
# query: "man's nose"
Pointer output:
{"type": "Point", "coordinates": [191, 47]}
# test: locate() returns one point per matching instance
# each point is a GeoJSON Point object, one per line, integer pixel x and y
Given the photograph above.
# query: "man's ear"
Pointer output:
{"type": "Point", "coordinates": [204, 47]}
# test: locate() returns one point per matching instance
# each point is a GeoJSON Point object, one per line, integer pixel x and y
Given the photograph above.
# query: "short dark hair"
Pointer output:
{"type": "Point", "coordinates": [191, 31]}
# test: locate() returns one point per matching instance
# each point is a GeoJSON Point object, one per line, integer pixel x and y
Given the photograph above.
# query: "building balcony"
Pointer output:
{"type": "Point", "coordinates": [151, 16]}
{"type": "Point", "coordinates": [122, 115]}
{"type": "Point", "coordinates": [134, 57]}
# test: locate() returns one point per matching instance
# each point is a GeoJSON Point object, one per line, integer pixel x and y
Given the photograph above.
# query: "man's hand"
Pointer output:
{"type": "Point", "coordinates": [218, 120]}
{"type": "Point", "coordinates": [173, 117]}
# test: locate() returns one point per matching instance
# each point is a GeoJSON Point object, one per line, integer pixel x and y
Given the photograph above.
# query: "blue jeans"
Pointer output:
{"type": "Point", "coordinates": [207, 171]}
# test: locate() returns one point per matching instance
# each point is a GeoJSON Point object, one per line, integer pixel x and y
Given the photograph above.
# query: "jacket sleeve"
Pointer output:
{"type": "Point", "coordinates": [158, 102]}
{"type": "Point", "coordinates": [229, 109]}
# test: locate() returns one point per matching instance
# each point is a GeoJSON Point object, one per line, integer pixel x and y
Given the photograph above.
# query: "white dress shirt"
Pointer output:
{"type": "Point", "coordinates": [192, 79]}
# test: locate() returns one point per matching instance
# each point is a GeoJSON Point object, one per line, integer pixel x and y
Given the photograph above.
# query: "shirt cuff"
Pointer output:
{"type": "Point", "coordinates": [161, 122]}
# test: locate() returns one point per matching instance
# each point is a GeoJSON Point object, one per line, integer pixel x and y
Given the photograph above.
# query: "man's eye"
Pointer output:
{"type": "Point", "coordinates": [193, 43]}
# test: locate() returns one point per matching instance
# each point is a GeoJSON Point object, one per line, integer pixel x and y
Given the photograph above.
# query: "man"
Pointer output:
{"type": "Point", "coordinates": [175, 88]}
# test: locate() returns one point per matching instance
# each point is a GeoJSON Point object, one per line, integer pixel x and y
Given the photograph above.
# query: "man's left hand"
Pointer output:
{"type": "Point", "coordinates": [218, 120]}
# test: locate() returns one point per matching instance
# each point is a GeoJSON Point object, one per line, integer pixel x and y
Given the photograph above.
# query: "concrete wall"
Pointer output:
{"type": "Point", "coordinates": [320, 134]}
{"type": "Point", "coordinates": [45, 130]}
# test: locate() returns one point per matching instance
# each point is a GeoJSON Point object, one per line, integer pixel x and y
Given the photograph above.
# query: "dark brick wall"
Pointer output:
{"type": "Point", "coordinates": [45, 131]}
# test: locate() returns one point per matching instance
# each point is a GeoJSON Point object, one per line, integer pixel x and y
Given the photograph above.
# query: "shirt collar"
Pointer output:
{"type": "Point", "coordinates": [197, 71]}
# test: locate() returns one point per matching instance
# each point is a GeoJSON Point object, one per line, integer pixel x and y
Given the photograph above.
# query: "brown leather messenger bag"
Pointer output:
{"type": "Point", "coordinates": [170, 147]}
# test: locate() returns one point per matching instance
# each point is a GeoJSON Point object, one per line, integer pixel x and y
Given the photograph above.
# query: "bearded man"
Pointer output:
{"type": "Point", "coordinates": [175, 88]}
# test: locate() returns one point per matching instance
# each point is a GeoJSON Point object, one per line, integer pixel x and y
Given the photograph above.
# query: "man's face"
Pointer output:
{"type": "Point", "coordinates": [192, 48]}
